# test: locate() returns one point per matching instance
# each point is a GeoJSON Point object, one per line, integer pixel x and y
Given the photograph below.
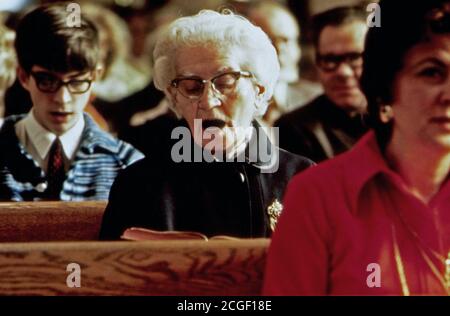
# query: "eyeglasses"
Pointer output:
{"type": "Point", "coordinates": [224, 84]}
{"type": "Point", "coordinates": [330, 62]}
{"type": "Point", "coordinates": [49, 83]}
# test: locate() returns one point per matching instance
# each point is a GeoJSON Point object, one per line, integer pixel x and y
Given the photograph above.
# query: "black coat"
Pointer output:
{"type": "Point", "coordinates": [320, 130]}
{"type": "Point", "coordinates": [216, 198]}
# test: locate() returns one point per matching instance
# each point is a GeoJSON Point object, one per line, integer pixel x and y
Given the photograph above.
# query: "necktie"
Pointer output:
{"type": "Point", "coordinates": [55, 170]}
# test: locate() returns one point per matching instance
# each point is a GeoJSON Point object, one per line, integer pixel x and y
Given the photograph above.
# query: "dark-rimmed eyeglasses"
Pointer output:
{"type": "Point", "coordinates": [49, 83]}
{"type": "Point", "coordinates": [223, 84]}
{"type": "Point", "coordinates": [330, 62]}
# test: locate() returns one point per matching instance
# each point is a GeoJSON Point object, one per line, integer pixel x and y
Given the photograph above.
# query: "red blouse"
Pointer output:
{"type": "Point", "coordinates": [348, 213]}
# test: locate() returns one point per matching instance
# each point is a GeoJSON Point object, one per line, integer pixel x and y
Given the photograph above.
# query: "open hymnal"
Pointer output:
{"type": "Point", "coordinates": [137, 233]}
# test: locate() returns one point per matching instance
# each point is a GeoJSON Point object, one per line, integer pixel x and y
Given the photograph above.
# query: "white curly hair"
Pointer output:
{"type": "Point", "coordinates": [224, 30]}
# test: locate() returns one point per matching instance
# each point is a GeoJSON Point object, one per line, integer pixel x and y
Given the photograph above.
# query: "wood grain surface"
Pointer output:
{"type": "Point", "coordinates": [134, 268]}
{"type": "Point", "coordinates": [50, 221]}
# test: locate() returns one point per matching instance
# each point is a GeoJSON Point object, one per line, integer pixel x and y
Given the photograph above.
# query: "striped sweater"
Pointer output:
{"type": "Point", "coordinates": [96, 164]}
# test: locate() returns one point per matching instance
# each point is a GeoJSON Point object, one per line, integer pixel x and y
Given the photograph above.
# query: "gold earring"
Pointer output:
{"type": "Point", "coordinates": [386, 113]}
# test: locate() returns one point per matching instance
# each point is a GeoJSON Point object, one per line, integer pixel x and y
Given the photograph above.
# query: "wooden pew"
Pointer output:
{"type": "Point", "coordinates": [135, 268]}
{"type": "Point", "coordinates": [50, 221]}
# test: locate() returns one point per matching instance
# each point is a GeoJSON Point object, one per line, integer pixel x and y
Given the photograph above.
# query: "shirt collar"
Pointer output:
{"type": "Point", "coordinates": [42, 139]}
{"type": "Point", "coordinates": [365, 162]}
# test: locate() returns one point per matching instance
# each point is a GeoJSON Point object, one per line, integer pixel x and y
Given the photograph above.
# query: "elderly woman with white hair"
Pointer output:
{"type": "Point", "coordinates": [219, 174]}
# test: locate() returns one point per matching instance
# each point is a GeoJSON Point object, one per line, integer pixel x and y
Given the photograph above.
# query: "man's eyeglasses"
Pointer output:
{"type": "Point", "coordinates": [224, 84]}
{"type": "Point", "coordinates": [49, 83]}
{"type": "Point", "coordinates": [330, 62]}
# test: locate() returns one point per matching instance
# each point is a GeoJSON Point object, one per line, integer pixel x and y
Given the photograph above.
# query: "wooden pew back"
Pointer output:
{"type": "Point", "coordinates": [50, 221]}
{"type": "Point", "coordinates": [135, 268]}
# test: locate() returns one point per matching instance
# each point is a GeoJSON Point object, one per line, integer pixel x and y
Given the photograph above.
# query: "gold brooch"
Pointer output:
{"type": "Point", "coordinates": [274, 211]}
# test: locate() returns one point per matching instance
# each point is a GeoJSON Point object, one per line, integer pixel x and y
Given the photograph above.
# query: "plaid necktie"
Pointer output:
{"type": "Point", "coordinates": [55, 170]}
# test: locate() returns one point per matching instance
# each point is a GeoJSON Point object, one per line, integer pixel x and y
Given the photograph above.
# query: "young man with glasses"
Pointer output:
{"type": "Point", "coordinates": [333, 122]}
{"type": "Point", "coordinates": [56, 151]}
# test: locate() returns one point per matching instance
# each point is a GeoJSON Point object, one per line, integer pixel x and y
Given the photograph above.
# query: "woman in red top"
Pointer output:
{"type": "Point", "coordinates": [376, 220]}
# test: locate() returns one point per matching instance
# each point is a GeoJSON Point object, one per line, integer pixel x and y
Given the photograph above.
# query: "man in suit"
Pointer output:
{"type": "Point", "coordinates": [333, 122]}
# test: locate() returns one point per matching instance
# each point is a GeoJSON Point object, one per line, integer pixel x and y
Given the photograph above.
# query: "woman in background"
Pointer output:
{"type": "Point", "coordinates": [8, 64]}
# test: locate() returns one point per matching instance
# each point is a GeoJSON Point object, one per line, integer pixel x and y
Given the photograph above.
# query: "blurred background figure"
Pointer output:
{"type": "Point", "coordinates": [282, 28]}
{"type": "Point", "coordinates": [120, 77]}
{"type": "Point", "coordinates": [334, 121]}
{"type": "Point", "coordinates": [8, 64]}
{"type": "Point", "coordinates": [15, 5]}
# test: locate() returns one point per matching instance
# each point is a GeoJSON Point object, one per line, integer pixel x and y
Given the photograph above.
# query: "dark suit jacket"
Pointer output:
{"type": "Point", "coordinates": [320, 130]}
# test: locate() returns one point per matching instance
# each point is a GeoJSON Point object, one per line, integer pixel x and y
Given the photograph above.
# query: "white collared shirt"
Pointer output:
{"type": "Point", "coordinates": [37, 140]}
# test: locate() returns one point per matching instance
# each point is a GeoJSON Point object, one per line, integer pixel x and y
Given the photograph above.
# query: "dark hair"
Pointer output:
{"type": "Point", "coordinates": [336, 17]}
{"type": "Point", "coordinates": [402, 27]}
{"type": "Point", "coordinates": [43, 38]}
